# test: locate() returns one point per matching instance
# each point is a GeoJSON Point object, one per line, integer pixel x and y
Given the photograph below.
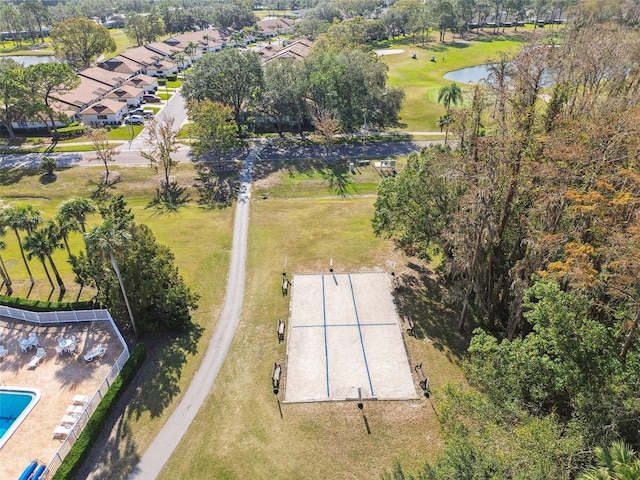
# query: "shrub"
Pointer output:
{"type": "Point", "coordinates": [42, 306]}
{"type": "Point", "coordinates": [48, 164]}
{"type": "Point", "coordinates": [73, 130]}
{"type": "Point", "coordinates": [96, 423]}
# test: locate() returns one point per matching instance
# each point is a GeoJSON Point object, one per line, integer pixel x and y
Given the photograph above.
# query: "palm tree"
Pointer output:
{"type": "Point", "coordinates": [616, 462]}
{"type": "Point", "coordinates": [65, 226]}
{"type": "Point", "coordinates": [179, 58]}
{"type": "Point", "coordinates": [445, 121]}
{"type": "Point", "coordinates": [450, 95]}
{"type": "Point", "coordinates": [22, 218]}
{"type": "Point", "coordinates": [53, 236]}
{"type": "Point", "coordinates": [78, 209]}
{"type": "Point", "coordinates": [3, 268]}
{"type": "Point", "coordinates": [37, 245]}
{"type": "Point", "coordinates": [190, 50]}
{"type": "Point", "coordinates": [105, 240]}
{"type": "Point", "coordinates": [236, 37]}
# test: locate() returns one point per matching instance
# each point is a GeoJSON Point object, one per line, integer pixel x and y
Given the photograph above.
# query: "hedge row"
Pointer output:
{"type": "Point", "coordinates": [72, 462]}
{"type": "Point", "coordinates": [72, 131]}
{"type": "Point", "coordinates": [41, 306]}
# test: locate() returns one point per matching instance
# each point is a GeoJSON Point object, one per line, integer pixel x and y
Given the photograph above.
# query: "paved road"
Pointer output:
{"type": "Point", "coordinates": [176, 426]}
{"type": "Point", "coordinates": [128, 157]}
{"type": "Point", "coordinates": [175, 108]}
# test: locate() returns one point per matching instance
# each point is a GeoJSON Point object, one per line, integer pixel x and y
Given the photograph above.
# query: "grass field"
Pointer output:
{"type": "Point", "coordinates": [239, 433]}
{"type": "Point", "coordinates": [36, 48]}
{"type": "Point", "coordinates": [298, 217]}
{"type": "Point", "coordinates": [302, 214]}
{"type": "Point", "coordinates": [421, 79]}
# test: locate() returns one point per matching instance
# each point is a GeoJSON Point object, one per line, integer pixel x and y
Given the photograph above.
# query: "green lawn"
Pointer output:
{"type": "Point", "coordinates": [123, 132]}
{"type": "Point", "coordinates": [239, 433]}
{"type": "Point", "coordinates": [122, 42]}
{"type": "Point", "coordinates": [297, 215]}
{"type": "Point", "coordinates": [421, 79]}
{"type": "Point", "coordinates": [36, 48]}
{"type": "Point", "coordinates": [27, 47]}
{"type": "Point", "coordinates": [174, 84]}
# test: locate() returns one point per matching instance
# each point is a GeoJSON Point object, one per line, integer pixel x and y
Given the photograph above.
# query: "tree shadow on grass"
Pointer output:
{"type": "Point", "coordinates": [11, 176]}
{"type": "Point", "coordinates": [420, 295]}
{"type": "Point", "coordinates": [338, 180]}
{"type": "Point", "coordinates": [101, 189]}
{"type": "Point", "coordinates": [170, 200]}
{"type": "Point", "coordinates": [159, 378]}
{"type": "Point", "coordinates": [47, 179]}
{"type": "Point", "coordinates": [217, 184]}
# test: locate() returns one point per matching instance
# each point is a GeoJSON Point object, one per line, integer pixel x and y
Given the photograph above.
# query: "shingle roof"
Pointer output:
{"type": "Point", "coordinates": [121, 64]}
{"type": "Point", "coordinates": [298, 50]}
{"type": "Point", "coordinates": [104, 107]}
{"type": "Point", "coordinates": [141, 55]}
{"type": "Point", "coordinates": [275, 24]}
{"type": "Point", "coordinates": [113, 79]}
{"type": "Point", "coordinates": [163, 48]}
{"type": "Point", "coordinates": [88, 91]}
{"type": "Point", "coordinates": [141, 80]}
{"type": "Point", "coordinates": [125, 91]}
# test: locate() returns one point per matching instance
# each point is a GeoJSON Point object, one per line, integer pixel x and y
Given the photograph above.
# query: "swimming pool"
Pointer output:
{"type": "Point", "coordinates": [15, 405]}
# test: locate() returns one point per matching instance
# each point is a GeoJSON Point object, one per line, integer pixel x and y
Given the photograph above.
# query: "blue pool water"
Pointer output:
{"type": "Point", "coordinates": [15, 404]}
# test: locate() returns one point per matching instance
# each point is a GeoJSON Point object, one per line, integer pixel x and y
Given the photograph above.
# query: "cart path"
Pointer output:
{"type": "Point", "coordinates": [153, 460]}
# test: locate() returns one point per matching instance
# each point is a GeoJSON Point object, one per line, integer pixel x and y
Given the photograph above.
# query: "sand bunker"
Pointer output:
{"type": "Point", "coordinates": [389, 51]}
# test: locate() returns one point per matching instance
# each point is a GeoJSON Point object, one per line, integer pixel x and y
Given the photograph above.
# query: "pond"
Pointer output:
{"type": "Point", "coordinates": [28, 60]}
{"type": "Point", "coordinates": [469, 75]}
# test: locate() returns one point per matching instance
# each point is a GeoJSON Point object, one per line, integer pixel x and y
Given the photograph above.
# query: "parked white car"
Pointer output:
{"type": "Point", "coordinates": [134, 120]}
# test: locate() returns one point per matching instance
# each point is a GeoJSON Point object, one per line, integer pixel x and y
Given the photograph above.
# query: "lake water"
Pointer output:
{"type": "Point", "coordinates": [28, 60]}
{"type": "Point", "coordinates": [481, 72]}
{"type": "Point", "coordinates": [471, 74]}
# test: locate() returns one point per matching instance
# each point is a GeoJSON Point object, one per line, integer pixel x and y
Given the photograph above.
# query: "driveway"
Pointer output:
{"type": "Point", "coordinates": [175, 107]}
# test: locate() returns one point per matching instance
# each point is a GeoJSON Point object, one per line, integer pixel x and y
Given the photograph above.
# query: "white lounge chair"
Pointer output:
{"type": "Point", "coordinates": [68, 420]}
{"type": "Point", "coordinates": [25, 344]}
{"type": "Point", "coordinates": [33, 339]}
{"type": "Point", "coordinates": [80, 399]}
{"type": "Point", "coordinates": [35, 360]}
{"type": "Point", "coordinates": [75, 410]}
{"type": "Point", "coordinates": [97, 351]}
{"type": "Point", "coordinates": [3, 351]}
{"type": "Point", "coordinates": [61, 432]}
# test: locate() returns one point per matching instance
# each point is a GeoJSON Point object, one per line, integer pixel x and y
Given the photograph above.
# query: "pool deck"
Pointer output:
{"type": "Point", "coordinates": [58, 378]}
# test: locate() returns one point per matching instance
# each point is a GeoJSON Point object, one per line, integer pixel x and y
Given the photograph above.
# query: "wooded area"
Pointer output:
{"type": "Point", "coordinates": [535, 214]}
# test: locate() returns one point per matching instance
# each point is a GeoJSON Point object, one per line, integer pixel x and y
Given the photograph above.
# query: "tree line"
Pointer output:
{"type": "Point", "coordinates": [146, 21]}
{"type": "Point", "coordinates": [535, 213]}
{"type": "Point", "coordinates": [28, 93]}
{"type": "Point", "coordinates": [347, 86]}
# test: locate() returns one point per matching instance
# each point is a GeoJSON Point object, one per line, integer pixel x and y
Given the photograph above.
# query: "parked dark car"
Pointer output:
{"type": "Point", "coordinates": [151, 98]}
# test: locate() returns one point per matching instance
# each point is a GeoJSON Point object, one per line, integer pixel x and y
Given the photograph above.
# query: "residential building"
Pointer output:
{"type": "Point", "coordinates": [105, 112]}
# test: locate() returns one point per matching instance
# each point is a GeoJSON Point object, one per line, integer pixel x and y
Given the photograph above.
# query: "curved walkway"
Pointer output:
{"type": "Point", "coordinates": [169, 437]}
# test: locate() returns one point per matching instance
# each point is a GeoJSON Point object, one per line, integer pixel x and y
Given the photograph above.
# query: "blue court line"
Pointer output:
{"type": "Point", "coordinates": [364, 353]}
{"type": "Point", "coordinates": [326, 347]}
{"type": "Point", "coordinates": [325, 325]}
